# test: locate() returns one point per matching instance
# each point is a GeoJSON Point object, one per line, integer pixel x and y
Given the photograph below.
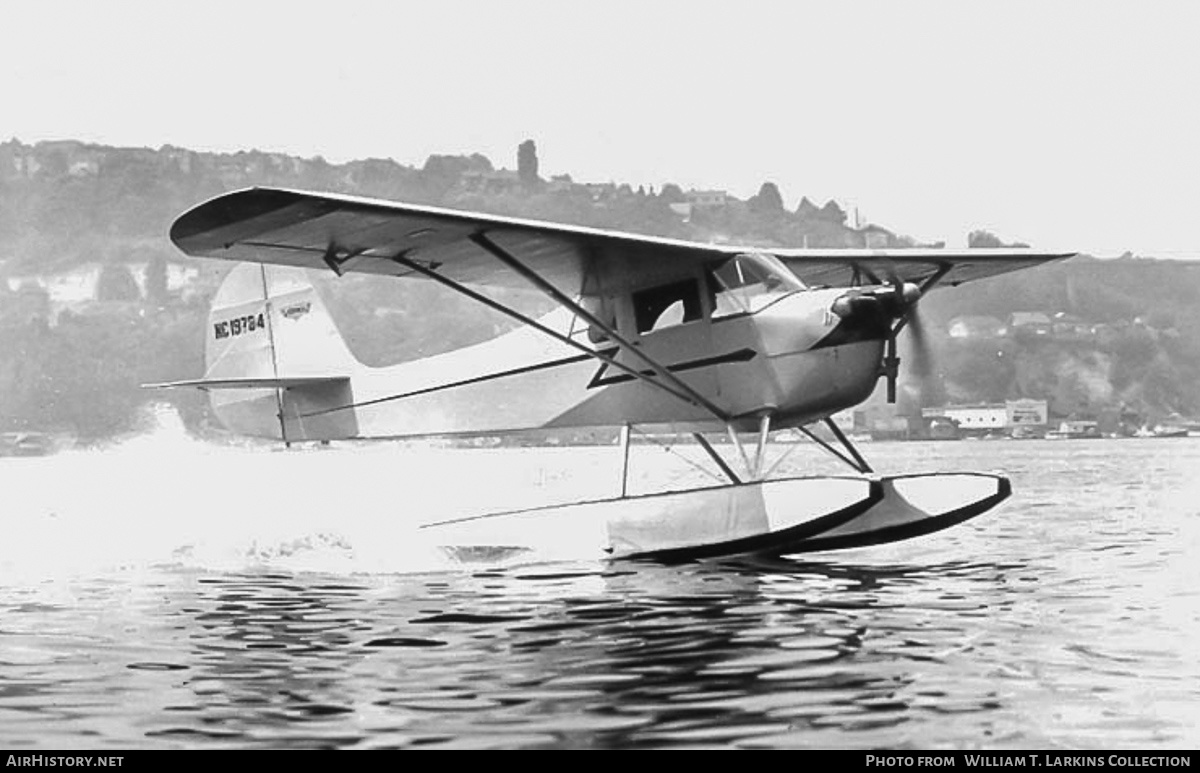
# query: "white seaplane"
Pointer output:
{"type": "Point", "coordinates": [700, 338]}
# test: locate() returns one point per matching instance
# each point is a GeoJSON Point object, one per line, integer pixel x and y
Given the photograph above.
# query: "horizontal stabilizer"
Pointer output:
{"type": "Point", "coordinates": [251, 383]}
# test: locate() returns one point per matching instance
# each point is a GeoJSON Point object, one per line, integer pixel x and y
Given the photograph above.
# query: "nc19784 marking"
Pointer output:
{"type": "Point", "coordinates": [238, 325]}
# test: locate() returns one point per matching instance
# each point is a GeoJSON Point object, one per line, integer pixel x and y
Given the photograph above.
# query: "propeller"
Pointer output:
{"type": "Point", "coordinates": [920, 356]}
{"type": "Point", "coordinates": [907, 314]}
{"type": "Point", "coordinates": [894, 306]}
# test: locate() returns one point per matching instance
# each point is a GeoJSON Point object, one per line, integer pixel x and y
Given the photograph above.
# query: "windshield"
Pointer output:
{"type": "Point", "coordinates": [748, 283]}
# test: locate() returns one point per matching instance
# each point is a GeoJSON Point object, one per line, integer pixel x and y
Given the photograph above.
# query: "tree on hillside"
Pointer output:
{"type": "Point", "coordinates": [116, 283]}
{"type": "Point", "coordinates": [806, 210]}
{"type": "Point", "coordinates": [30, 303]}
{"type": "Point", "coordinates": [833, 212]}
{"type": "Point", "coordinates": [156, 280]}
{"type": "Point", "coordinates": [672, 194]}
{"type": "Point", "coordinates": [527, 164]}
{"type": "Point", "coordinates": [442, 172]}
{"type": "Point", "coordinates": [767, 201]}
{"type": "Point", "coordinates": [983, 238]}
{"type": "Point", "coordinates": [453, 166]}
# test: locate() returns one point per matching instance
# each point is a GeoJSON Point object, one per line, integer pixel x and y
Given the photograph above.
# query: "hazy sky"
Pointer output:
{"type": "Point", "coordinates": [1069, 125]}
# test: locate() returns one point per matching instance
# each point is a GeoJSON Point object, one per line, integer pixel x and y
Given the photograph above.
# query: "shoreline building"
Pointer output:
{"type": "Point", "coordinates": [1018, 418]}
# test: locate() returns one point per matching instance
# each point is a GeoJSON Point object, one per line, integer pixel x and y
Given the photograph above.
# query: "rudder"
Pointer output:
{"type": "Point", "coordinates": [271, 351]}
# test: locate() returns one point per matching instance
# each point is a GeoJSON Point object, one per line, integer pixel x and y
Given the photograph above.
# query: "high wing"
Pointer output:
{"type": "Point", "coordinates": [352, 234]}
{"type": "Point", "coordinates": [844, 267]}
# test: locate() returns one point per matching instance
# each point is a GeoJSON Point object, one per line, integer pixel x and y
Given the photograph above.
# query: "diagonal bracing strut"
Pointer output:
{"type": "Point", "coordinates": [692, 396]}
{"type": "Point", "coordinates": [858, 463]}
{"type": "Point", "coordinates": [522, 318]}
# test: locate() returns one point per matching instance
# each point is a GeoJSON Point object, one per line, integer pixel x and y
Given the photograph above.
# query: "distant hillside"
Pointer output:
{"type": "Point", "coordinates": [66, 202]}
{"type": "Point", "coordinates": [1123, 335]}
{"type": "Point", "coordinates": [94, 299]}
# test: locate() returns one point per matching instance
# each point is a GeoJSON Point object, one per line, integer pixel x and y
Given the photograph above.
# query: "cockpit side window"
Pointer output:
{"type": "Point", "coordinates": [666, 305]}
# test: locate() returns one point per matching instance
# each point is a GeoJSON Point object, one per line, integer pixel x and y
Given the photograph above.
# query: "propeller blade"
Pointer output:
{"type": "Point", "coordinates": [905, 301]}
{"type": "Point", "coordinates": [893, 305]}
{"type": "Point", "coordinates": [921, 366]}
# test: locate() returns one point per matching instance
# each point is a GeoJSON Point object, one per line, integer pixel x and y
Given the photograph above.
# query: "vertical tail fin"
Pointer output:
{"type": "Point", "coordinates": [275, 364]}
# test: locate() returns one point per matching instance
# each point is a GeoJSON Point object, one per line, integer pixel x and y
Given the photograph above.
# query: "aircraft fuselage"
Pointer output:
{"type": "Point", "coordinates": [780, 349]}
{"type": "Point", "coordinates": [783, 360]}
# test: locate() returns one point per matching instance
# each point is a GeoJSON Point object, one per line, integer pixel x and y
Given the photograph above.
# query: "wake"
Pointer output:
{"type": "Point", "coordinates": [164, 499]}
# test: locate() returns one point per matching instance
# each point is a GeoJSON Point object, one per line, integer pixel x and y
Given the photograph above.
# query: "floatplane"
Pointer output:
{"type": "Point", "coordinates": [719, 342]}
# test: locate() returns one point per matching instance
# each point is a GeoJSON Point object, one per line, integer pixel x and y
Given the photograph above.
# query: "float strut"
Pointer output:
{"type": "Point", "coordinates": [845, 441]}
{"type": "Point", "coordinates": [729, 473]}
{"type": "Point", "coordinates": [624, 439]}
{"type": "Point", "coordinates": [764, 430]}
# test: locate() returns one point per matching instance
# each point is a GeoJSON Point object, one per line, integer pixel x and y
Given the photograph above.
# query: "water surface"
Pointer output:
{"type": "Point", "coordinates": [169, 593]}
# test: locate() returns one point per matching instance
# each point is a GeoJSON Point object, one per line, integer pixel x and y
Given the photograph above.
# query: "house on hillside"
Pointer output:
{"type": "Point", "coordinates": [1068, 327]}
{"type": "Point", "coordinates": [1031, 324]}
{"type": "Point", "coordinates": [75, 290]}
{"type": "Point", "coordinates": [560, 183]}
{"type": "Point", "coordinates": [495, 182]}
{"type": "Point", "coordinates": [707, 200]}
{"type": "Point", "coordinates": [179, 158]}
{"type": "Point", "coordinates": [601, 191]}
{"type": "Point", "coordinates": [12, 160]}
{"type": "Point", "coordinates": [63, 288]}
{"type": "Point", "coordinates": [231, 170]}
{"type": "Point", "coordinates": [27, 302]}
{"type": "Point", "coordinates": [682, 208]}
{"type": "Point", "coordinates": [975, 327]}
{"type": "Point", "coordinates": [875, 237]}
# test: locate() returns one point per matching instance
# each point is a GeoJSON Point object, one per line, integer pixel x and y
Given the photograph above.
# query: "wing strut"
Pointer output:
{"type": "Point", "coordinates": [624, 442]}
{"type": "Point", "coordinates": [525, 320]}
{"type": "Point", "coordinates": [563, 299]}
{"type": "Point", "coordinates": [925, 287]}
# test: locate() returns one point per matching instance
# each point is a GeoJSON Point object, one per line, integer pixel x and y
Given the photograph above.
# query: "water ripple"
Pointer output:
{"type": "Point", "coordinates": [1063, 620]}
